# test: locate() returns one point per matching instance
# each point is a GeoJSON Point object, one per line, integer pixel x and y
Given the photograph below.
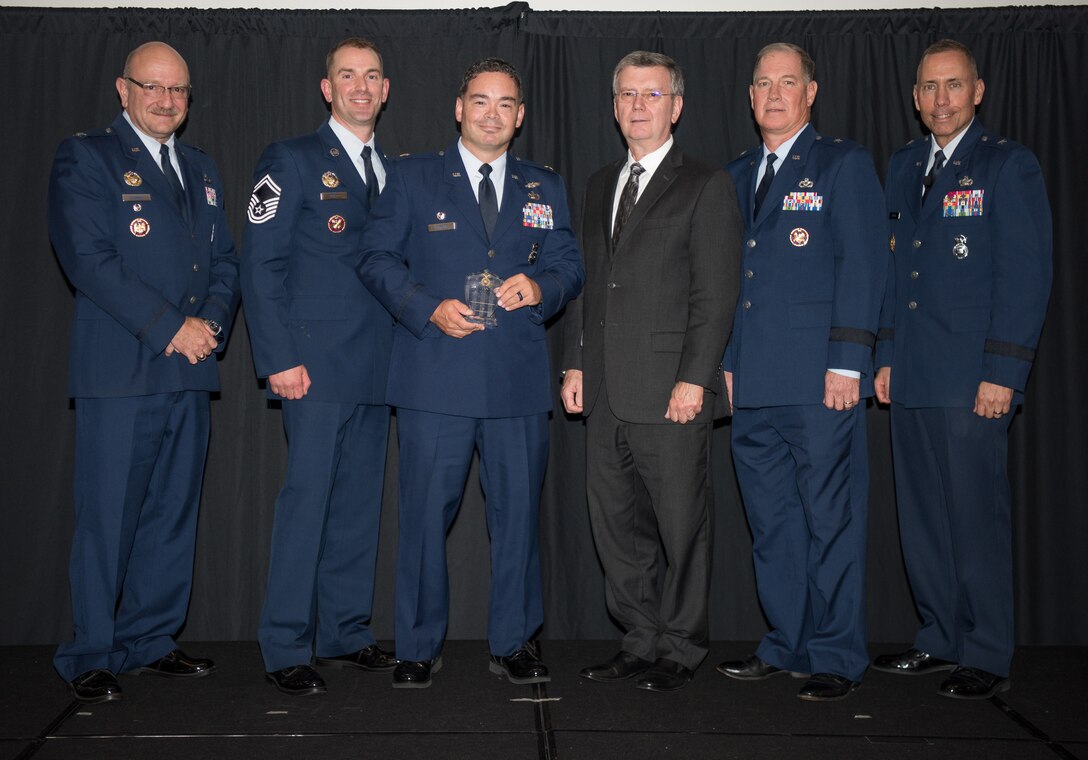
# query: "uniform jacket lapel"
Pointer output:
{"type": "Point", "coordinates": [459, 189]}
{"type": "Point", "coordinates": [790, 170]}
{"type": "Point", "coordinates": [513, 197]}
{"type": "Point", "coordinates": [659, 183]}
{"type": "Point", "coordinates": [608, 203]}
{"type": "Point", "coordinates": [342, 165]}
{"type": "Point", "coordinates": [954, 170]}
{"type": "Point", "coordinates": [147, 166]}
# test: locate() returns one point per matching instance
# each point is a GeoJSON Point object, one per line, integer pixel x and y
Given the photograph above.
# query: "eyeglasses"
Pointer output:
{"type": "Point", "coordinates": [180, 91]}
{"type": "Point", "coordinates": [650, 96]}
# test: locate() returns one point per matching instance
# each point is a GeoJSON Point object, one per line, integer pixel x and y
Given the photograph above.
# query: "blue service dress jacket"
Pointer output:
{"type": "Point", "coordinates": [812, 273]}
{"type": "Point", "coordinates": [304, 303]}
{"type": "Point", "coordinates": [138, 267]}
{"type": "Point", "coordinates": [425, 235]}
{"type": "Point", "coordinates": [968, 288]}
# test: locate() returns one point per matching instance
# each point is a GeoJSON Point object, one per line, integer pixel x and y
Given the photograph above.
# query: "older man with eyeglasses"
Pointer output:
{"type": "Point", "coordinates": [136, 218]}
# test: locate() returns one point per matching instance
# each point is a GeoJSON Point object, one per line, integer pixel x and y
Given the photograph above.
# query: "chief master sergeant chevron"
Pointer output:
{"type": "Point", "coordinates": [964, 306]}
{"type": "Point", "coordinates": [136, 218]}
{"type": "Point", "coordinates": [471, 208]}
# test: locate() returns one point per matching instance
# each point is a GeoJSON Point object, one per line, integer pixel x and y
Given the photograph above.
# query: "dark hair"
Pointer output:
{"type": "Point", "coordinates": [487, 66]}
{"type": "Point", "coordinates": [354, 42]}
{"type": "Point", "coordinates": [808, 66]}
{"type": "Point", "coordinates": [645, 59]}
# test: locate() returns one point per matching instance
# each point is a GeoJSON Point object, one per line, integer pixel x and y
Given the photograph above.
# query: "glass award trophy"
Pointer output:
{"type": "Point", "coordinates": [480, 297]}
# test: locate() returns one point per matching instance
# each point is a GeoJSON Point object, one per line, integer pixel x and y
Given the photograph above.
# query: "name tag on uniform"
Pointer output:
{"type": "Point", "coordinates": [441, 226]}
{"type": "Point", "coordinates": [128, 197]}
{"type": "Point", "coordinates": [341, 196]}
{"type": "Point", "coordinates": [803, 202]}
{"type": "Point", "coordinates": [963, 203]}
{"type": "Point", "coordinates": [537, 215]}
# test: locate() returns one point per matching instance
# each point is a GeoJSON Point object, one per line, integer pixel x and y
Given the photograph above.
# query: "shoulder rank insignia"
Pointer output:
{"type": "Point", "coordinates": [264, 201]}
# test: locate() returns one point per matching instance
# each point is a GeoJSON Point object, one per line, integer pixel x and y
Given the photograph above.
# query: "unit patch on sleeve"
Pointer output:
{"type": "Point", "coordinates": [264, 201]}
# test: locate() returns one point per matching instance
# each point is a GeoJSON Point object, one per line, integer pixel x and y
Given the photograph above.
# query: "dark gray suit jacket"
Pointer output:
{"type": "Point", "coordinates": [658, 308]}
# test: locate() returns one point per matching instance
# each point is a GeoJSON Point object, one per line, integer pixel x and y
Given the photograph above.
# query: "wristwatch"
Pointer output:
{"type": "Point", "coordinates": [216, 328]}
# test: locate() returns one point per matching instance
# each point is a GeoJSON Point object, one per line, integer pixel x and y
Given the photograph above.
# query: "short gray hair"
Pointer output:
{"type": "Point", "coordinates": [646, 59]}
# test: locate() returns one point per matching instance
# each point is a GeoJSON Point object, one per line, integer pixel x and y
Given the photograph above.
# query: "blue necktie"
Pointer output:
{"type": "Point", "coordinates": [765, 183]}
{"type": "Point", "coordinates": [489, 205]}
{"type": "Point", "coordinates": [372, 190]}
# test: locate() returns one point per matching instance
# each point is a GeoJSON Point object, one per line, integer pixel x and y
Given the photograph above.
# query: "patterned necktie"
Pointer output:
{"type": "Point", "coordinates": [489, 205]}
{"type": "Point", "coordinates": [934, 173]}
{"type": "Point", "coordinates": [173, 180]}
{"type": "Point", "coordinates": [765, 183]}
{"type": "Point", "coordinates": [628, 198]}
{"type": "Point", "coordinates": [372, 190]}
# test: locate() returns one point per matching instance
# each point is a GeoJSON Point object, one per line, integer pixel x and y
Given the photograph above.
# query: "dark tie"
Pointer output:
{"type": "Point", "coordinates": [765, 183]}
{"type": "Point", "coordinates": [628, 198]}
{"type": "Point", "coordinates": [489, 206]}
{"type": "Point", "coordinates": [371, 178]}
{"type": "Point", "coordinates": [173, 181]}
{"type": "Point", "coordinates": [934, 173]}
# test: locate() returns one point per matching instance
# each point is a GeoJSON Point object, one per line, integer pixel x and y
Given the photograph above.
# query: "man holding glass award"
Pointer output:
{"type": "Point", "coordinates": [476, 223]}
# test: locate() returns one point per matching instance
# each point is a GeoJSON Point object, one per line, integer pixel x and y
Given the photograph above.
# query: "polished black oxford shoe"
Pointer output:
{"type": "Point", "coordinates": [751, 668]}
{"type": "Point", "coordinates": [665, 675]}
{"type": "Point", "coordinates": [415, 674]}
{"type": "Point", "coordinates": [372, 658]}
{"type": "Point", "coordinates": [621, 667]}
{"type": "Point", "coordinates": [973, 683]}
{"type": "Point", "coordinates": [826, 687]}
{"type": "Point", "coordinates": [521, 667]}
{"type": "Point", "coordinates": [95, 686]}
{"type": "Point", "coordinates": [177, 664]}
{"type": "Point", "coordinates": [913, 662]}
{"type": "Point", "coordinates": [297, 681]}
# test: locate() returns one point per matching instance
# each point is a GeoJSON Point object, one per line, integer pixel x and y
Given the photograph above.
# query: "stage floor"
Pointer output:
{"type": "Point", "coordinates": [471, 714]}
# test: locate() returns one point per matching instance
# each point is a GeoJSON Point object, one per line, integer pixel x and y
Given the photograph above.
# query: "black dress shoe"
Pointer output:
{"type": "Point", "coordinates": [522, 667]}
{"type": "Point", "coordinates": [413, 674]}
{"type": "Point", "coordinates": [372, 657]}
{"type": "Point", "coordinates": [621, 667]}
{"type": "Point", "coordinates": [665, 675]}
{"type": "Point", "coordinates": [913, 662]}
{"type": "Point", "coordinates": [972, 683]}
{"type": "Point", "coordinates": [826, 687]}
{"type": "Point", "coordinates": [297, 681]}
{"type": "Point", "coordinates": [751, 668]}
{"type": "Point", "coordinates": [95, 686]}
{"type": "Point", "coordinates": [177, 664]}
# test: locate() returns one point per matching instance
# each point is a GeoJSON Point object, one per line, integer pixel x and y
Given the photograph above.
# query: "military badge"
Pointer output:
{"type": "Point", "coordinates": [337, 224]}
{"type": "Point", "coordinates": [329, 179]}
{"type": "Point", "coordinates": [531, 185]}
{"type": "Point", "coordinates": [891, 244]}
{"type": "Point", "coordinates": [264, 201]}
{"type": "Point", "coordinates": [534, 196]}
{"type": "Point", "coordinates": [963, 203]}
{"type": "Point", "coordinates": [209, 193]}
{"type": "Point", "coordinates": [132, 179]}
{"type": "Point", "coordinates": [533, 253]}
{"type": "Point", "coordinates": [802, 202]}
{"type": "Point", "coordinates": [799, 237]}
{"type": "Point", "coordinates": [806, 183]}
{"type": "Point", "coordinates": [538, 215]}
{"type": "Point", "coordinates": [966, 181]}
{"type": "Point", "coordinates": [139, 227]}
{"type": "Point", "coordinates": [959, 250]}
{"type": "Point", "coordinates": [334, 152]}
{"type": "Point", "coordinates": [440, 215]}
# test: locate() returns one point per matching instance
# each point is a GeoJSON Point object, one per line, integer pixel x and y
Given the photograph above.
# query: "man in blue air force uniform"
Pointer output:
{"type": "Point", "coordinates": [798, 365]}
{"type": "Point", "coordinates": [965, 302]}
{"type": "Point", "coordinates": [473, 208]}
{"type": "Point", "coordinates": [136, 219]}
{"type": "Point", "coordinates": [322, 341]}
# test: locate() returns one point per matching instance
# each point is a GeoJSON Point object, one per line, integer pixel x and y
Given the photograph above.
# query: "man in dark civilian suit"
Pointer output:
{"type": "Point", "coordinates": [323, 342]}
{"type": "Point", "coordinates": [965, 302]}
{"type": "Point", "coordinates": [136, 219]}
{"type": "Point", "coordinates": [661, 239]}
{"type": "Point", "coordinates": [472, 209]}
{"type": "Point", "coordinates": [798, 366]}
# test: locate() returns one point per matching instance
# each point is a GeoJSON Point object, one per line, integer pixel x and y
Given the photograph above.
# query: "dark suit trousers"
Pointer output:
{"type": "Point", "coordinates": [650, 505]}
{"type": "Point", "coordinates": [435, 455]}
{"type": "Point", "coordinates": [955, 525]}
{"type": "Point", "coordinates": [325, 534]}
{"type": "Point", "coordinates": [138, 471]}
{"type": "Point", "coordinates": [804, 475]}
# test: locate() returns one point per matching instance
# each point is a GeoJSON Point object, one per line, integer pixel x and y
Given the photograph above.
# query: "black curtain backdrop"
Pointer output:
{"type": "Point", "coordinates": [255, 76]}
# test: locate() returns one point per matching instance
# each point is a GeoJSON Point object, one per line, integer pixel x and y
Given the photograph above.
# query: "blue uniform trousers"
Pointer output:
{"type": "Point", "coordinates": [435, 455]}
{"type": "Point", "coordinates": [139, 464]}
{"type": "Point", "coordinates": [325, 535]}
{"type": "Point", "coordinates": [803, 473]}
{"type": "Point", "coordinates": [955, 524]}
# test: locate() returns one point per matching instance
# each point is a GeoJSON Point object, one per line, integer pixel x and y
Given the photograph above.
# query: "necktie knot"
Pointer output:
{"type": "Point", "coordinates": [934, 173]}
{"type": "Point", "coordinates": [637, 169]}
{"type": "Point", "coordinates": [486, 170]}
